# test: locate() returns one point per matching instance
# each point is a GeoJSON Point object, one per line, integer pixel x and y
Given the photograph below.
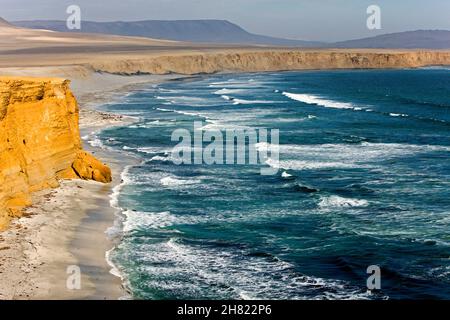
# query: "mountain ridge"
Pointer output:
{"type": "Point", "coordinates": [226, 32]}
{"type": "Point", "coordinates": [423, 39]}
{"type": "Point", "coordinates": [4, 23]}
{"type": "Point", "coordinates": [207, 31]}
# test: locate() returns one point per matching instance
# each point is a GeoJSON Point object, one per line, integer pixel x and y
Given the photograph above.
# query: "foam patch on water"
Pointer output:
{"type": "Point", "coordinates": [187, 113]}
{"type": "Point", "coordinates": [161, 158]}
{"type": "Point", "coordinates": [125, 180]}
{"type": "Point", "coordinates": [316, 100]}
{"type": "Point", "coordinates": [340, 202]}
{"type": "Point", "coordinates": [214, 125]}
{"type": "Point", "coordinates": [144, 221]}
{"type": "Point", "coordinates": [286, 175]}
{"type": "Point", "coordinates": [188, 100]}
{"type": "Point", "coordinates": [165, 110]}
{"type": "Point", "coordinates": [243, 101]}
{"type": "Point", "coordinates": [96, 142]}
{"type": "Point", "coordinates": [153, 150]}
{"type": "Point", "coordinates": [309, 165]}
{"type": "Point", "coordinates": [137, 220]}
{"type": "Point", "coordinates": [226, 91]}
{"type": "Point", "coordinates": [174, 182]}
{"type": "Point", "coordinates": [236, 84]}
{"type": "Point", "coordinates": [328, 156]}
{"type": "Point", "coordinates": [196, 271]}
{"type": "Point", "coordinates": [398, 115]}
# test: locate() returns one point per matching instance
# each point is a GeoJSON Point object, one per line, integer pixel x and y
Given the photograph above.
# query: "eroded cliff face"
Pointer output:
{"type": "Point", "coordinates": [275, 60]}
{"type": "Point", "coordinates": [39, 141]}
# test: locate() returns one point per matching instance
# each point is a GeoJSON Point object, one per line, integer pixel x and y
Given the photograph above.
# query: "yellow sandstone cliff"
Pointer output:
{"type": "Point", "coordinates": [39, 141]}
{"type": "Point", "coordinates": [269, 60]}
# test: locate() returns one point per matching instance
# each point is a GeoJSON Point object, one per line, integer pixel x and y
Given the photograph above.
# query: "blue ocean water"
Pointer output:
{"type": "Point", "coordinates": [364, 180]}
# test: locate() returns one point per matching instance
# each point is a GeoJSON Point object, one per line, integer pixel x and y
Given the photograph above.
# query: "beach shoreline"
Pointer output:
{"type": "Point", "coordinates": [66, 228]}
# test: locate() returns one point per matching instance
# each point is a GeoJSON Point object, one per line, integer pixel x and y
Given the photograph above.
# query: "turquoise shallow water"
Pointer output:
{"type": "Point", "coordinates": [364, 180]}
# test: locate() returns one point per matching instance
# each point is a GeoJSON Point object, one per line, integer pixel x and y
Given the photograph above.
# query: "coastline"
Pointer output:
{"type": "Point", "coordinates": [67, 226]}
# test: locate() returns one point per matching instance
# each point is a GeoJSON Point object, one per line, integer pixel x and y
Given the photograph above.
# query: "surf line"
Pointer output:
{"type": "Point", "coordinates": [236, 147]}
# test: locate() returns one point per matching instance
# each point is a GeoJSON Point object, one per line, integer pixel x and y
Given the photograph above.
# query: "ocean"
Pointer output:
{"type": "Point", "coordinates": [363, 180]}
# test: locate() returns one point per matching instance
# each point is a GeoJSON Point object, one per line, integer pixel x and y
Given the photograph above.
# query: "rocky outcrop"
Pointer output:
{"type": "Point", "coordinates": [86, 167]}
{"type": "Point", "coordinates": [39, 141]}
{"type": "Point", "coordinates": [271, 60]}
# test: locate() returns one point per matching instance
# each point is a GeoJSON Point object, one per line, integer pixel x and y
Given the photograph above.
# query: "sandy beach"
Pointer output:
{"type": "Point", "coordinates": [67, 226]}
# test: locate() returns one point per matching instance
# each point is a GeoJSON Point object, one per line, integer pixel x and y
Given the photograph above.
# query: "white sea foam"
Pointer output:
{"type": "Point", "coordinates": [168, 90]}
{"type": "Point", "coordinates": [316, 100]}
{"type": "Point", "coordinates": [308, 165]}
{"type": "Point", "coordinates": [243, 101]}
{"type": "Point", "coordinates": [398, 115]}
{"type": "Point", "coordinates": [165, 110]}
{"type": "Point", "coordinates": [286, 175]}
{"type": "Point", "coordinates": [149, 124]}
{"type": "Point", "coordinates": [187, 113]}
{"type": "Point", "coordinates": [180, 98]}
{"type": "Point", "coordinates": [235, 275]}
{"type": "Point", "coordinates": [160, 158]}
{"type": "Point", "coordinates": [173, 182]}
{"type": "Point", "coordinates": [235, 84]}
{"type": "Point", "coordinates": [328, 156]}
{"type": "Point", "coordinates": [96, 142]}
{"type": "Point", "coordinates": [137, 220]}
{"type": "Point", "coordinates": [228, 91]}
{"type": "Point", "coordinates": [148, 150]}
{"type": "Point", "coordinates": [187, 101]}
{"type": "Point", "coordinates": [125, 180]}
{"type": "Point", "coordinates": [152, 150]}
{"type": "Point", "coordinates": [340, 202]}
{"type": "Point", "coordinates": [214, 125]}
{"type": "Point", "coordinates": [369, 149]}
{"type": "Point", "coordinates": [114, 270]}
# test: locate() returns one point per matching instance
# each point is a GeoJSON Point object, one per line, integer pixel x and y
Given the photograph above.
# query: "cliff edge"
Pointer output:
{"type": "Point", "coordinates": [39, 141]}
{"type": "Point", "coordinates": [269, 60]}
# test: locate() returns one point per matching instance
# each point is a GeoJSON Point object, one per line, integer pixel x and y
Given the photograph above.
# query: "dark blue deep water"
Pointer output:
{"type": "Point", "coordinates": [364, 180]}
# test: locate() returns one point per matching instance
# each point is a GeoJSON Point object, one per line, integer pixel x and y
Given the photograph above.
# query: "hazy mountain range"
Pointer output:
{"type": "Point", "coordinates": [427, 39]}
{"type": "Point", "coordinates": [4, 23]}
{"type": "Point", "coordinates": [222, 31]}
{"type": "Point", "coordinates": [213, 31]}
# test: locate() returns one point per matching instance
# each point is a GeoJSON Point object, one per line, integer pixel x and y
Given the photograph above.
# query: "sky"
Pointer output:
{"type": "Point", "coordinates": [323, 20]}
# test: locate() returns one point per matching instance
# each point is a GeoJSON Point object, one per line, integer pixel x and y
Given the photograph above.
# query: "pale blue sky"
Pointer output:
{"type": "Point", "coordinates": [327, 20]}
